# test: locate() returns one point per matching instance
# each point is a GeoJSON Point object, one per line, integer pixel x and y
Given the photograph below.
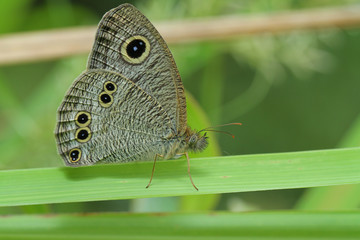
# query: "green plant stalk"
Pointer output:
{"type": "Point", "coordinates": [197, 119]}
{"type": "Point", "coordinates": [212, 175]}
{"type": "Point", "coordinates": [265, 225]}
{"type": "Point", "coordinates": [335, 197]}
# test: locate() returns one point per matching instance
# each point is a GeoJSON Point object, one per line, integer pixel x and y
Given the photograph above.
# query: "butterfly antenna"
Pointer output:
{"type": "Point", "coordinates": [211, 129]}
{"type": "Point", "coordinates": [219, 131]}
{"type": "Point", "coordinates": [222, 125]}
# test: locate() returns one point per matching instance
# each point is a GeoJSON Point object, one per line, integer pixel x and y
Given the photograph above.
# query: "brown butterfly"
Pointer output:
{"type": "Point", "coordinates": [129, 104]}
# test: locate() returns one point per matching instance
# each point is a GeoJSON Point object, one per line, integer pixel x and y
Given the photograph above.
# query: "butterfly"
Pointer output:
{"type": "Point", "coordinates": [129, 104]}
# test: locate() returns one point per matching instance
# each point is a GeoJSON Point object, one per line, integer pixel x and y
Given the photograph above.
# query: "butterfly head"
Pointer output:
{"type": "Point", "coordinates": [197, 141]}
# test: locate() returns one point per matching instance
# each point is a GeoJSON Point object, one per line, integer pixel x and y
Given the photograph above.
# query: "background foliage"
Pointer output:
{"type": "Point", "coordinates": [292, 91]}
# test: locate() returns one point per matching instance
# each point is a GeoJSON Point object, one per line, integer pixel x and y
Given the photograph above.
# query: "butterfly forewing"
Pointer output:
{"type": "Point", "coordinates": [126, 42]}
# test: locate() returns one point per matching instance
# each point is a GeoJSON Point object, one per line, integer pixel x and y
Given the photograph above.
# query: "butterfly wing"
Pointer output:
{"type": "Point", "coordinates": [126, 42]}
{"type": "Point", "coordinates": [105, 116]}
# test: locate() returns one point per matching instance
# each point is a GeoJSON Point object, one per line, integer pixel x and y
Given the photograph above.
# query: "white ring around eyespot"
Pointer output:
{"type": "Point", "coordinates": [139, 59]}
{"type": "Point", "coordinates": [83, 140]}
{"type": "Point", "coordinates": [106, 105]}
{"type": "Point", "coordinates": [78, 157]}
{"type": "Point", "coordinates": [110, 92]}
{"type": "Point", "coordinates": [83, 124]}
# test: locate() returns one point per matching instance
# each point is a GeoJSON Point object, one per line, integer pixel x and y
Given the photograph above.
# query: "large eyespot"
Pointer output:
{"type": "Point", "coordinates": [83, 134]}
{"type": "Point", "coordinates": [110, 87]}
{"type": "Point", "coordinates": [83, 119]}
{"type": "Point", "coordinates": [105, 99]}
{"type": "Point", "coordinates": [135, 49]}
{"type": "Point", "coordinates": [74, 155]}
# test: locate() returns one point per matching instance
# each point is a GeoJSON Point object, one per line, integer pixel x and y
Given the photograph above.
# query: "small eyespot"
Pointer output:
{"type": "Point", "coordinates": [135, 49]}
{"type": "Point", "coordinates": [74, 155]}
{"type": "Point", "coordinates": [110, 87]}
{"type": "Point", "coordinates": [83, 119]}
{"type": "Point", "coordinates": [83, 134]}
{"type": "Point", "coordinates": [105, 99]}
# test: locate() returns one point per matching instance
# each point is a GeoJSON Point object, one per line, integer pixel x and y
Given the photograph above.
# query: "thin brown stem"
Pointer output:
{"type": "Point", "coordinates": [53, 44]}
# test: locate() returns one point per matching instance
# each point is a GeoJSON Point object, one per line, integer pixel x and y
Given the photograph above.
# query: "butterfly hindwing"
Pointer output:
{"type": "Point", "coordinates": [105, 116]}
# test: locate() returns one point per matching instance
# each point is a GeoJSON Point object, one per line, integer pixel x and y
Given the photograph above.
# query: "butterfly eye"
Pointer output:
{"type": "Point", "coordinates": [83, 119]}
{"type": "Point", "coordinates": [135, 50]}
{"type": "Point", "coordinates": [110, 87]}
{"type": "Point", "coordinates": [74, 155]}
{"type": "Point", "coordinates": [105, 99]}
{"type": "Point", "coordinates": [83, 134]}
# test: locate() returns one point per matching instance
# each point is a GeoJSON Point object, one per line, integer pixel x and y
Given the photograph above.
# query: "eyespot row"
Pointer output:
{"type": "Point", "coordinates": [83, 120]}
{"type": "Point", "coordinates": [82, 134]}
{"type": "Point", "coordinates": [106, 98]}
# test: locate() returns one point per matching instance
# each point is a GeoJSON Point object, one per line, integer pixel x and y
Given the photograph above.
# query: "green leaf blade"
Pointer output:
{"type": "Point", "coordinates": [220, 225]}
{"type": "Point", "coordinates": [212, 175]}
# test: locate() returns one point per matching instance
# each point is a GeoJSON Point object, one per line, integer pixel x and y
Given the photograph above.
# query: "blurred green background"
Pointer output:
{"type": "Point", "coordinates": [292, 91]}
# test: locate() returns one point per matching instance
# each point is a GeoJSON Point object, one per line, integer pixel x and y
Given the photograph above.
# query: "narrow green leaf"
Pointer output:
{"type": "Point", "coordinates": [197, 119]}
{"type": "Point", "coordinates": [270, 225]}
{"type": "Point", "coordinates": [335, 197]}
{"type": "Point", "coordinates": [212, 175]}
{"type": "Point", "coordinates": [343, 197]}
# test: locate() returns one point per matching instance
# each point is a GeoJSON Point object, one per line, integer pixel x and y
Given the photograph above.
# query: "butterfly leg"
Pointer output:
{"type": "Point", "coordinates": [188, 163]}
{"type": "Point", "coordinates": [153, 169]}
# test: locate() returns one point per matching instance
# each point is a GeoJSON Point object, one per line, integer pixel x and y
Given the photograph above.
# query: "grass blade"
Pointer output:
{"type": "Point", "coordinates": [212, 175]}
{"type": "Point", "coordinates": [270, 225]}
